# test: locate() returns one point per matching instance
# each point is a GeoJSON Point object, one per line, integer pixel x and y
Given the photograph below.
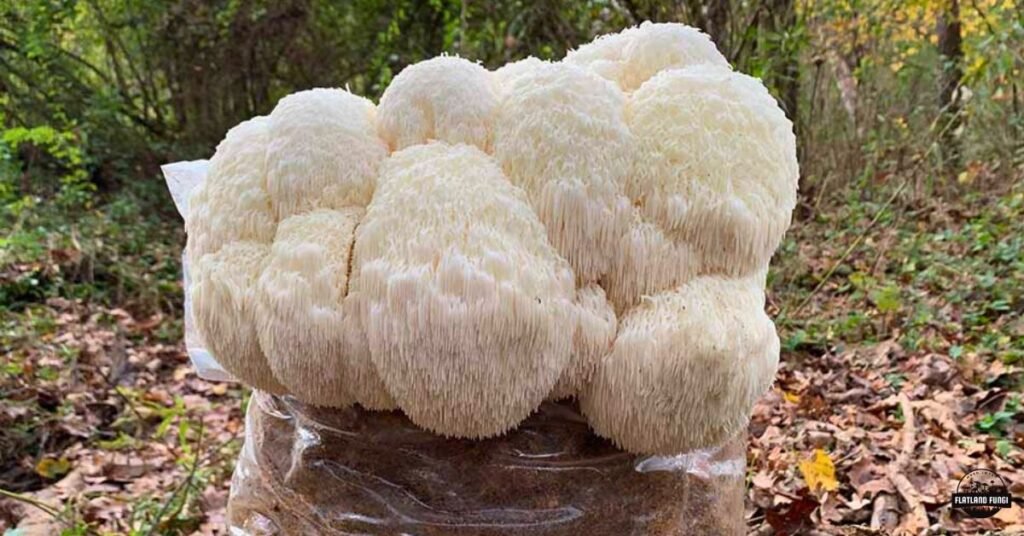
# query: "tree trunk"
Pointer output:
{"type": "Point", "coordinates": [847, 85]}
{"type": "Point", "coordinates": [952, 54]}
{"type": "Point", "coordinates": [718, 24]}
{"type": "Point", "coordinates": [784, 19]}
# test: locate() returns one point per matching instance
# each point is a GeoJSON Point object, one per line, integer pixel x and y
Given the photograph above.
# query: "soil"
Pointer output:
{"type": "Point", "coordinates": [308, 470]}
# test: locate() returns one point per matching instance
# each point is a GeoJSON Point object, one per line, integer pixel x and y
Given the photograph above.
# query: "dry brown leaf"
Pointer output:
{"type": "Point", "coordinates": [763, 480]}
{"type": "Point", "coordinates": [1014, 515]}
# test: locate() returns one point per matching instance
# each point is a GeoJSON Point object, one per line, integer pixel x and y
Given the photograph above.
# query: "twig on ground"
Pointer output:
{"type": "Point", "coordinates": [909, 432]}
{"type": "Point", "coordinates": [917, 511]}
{"type": "Point", "coordinates": [27, 499]}
{"type": "Point", "coordinates": [124, 398]}
{"type": "Point", "coordinates": [896, 471]}
{"type": "Point", "coordinates": [851, 395]}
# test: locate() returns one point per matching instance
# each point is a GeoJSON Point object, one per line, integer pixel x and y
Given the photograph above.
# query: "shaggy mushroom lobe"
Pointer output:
{"type": "Point", "coordinates": [716, 166]}
{"type": "Point", "coordinates": [463, 300]}
{"type": "Point", "coordinates": [445, 98]}
{"type": "Point", "coordinates": [277, 319]}
{"type": "Point", "coordinates": [685, 369]}
{"type": "Point", "coordinates": [562, 137]}
{"type": "Point", "coordinates": [631, 57]}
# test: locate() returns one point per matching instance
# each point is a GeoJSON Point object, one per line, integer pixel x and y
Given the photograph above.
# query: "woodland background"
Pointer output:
{"type": "Point", "coordinates": [898, 291]}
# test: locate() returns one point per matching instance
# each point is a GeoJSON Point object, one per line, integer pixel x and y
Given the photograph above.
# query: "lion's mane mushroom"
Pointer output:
{"type": "Point", "coordinates": [598, 227]}
{"type": "Point", "coordinates": [562, 137]}
{"type": "Point", "coordinates": [230, 221]}
{"type": "Point", "coordinates": [715, 172]}
{"type": "Point", "coordinates": [232, 204]}
{"type": "Point", "coordinates": [595, 331]}
{"type": "Point", "coordinates": [463, 300]}
{"type": "Point", "coordinates": [633, 56]}
{"type": "Point", "coordinates": [303, 312]}
{"type": "Point", "coordinates": [222, 301]}
{"type": "Point", "coordinates": [271, 232]}
{"type": "Point", "coordinates": [686, 367]}
{"type": "Point", "coordinates": [506, 76]}
{"type": "Point", "coordinates": [445, 98]}
{"type": "Point", "coordinates": [322, 151]}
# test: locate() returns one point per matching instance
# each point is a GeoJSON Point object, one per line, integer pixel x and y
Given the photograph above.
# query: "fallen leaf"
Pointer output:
{"type": "Point", "coordinates": [181, 373]}
{"type": "Point", "coordinates": [52, 468]}
{"type": "Point", "coordinates": [14, 412]}
{"type": "Point", "coordinates": [796, 519]}
{"type": "Point", "coordinates": [763, 480]}
{"type": "Point", "coordinates": [151, 323]}
{"type": "Point", "coordinates": [856, 503]}
{"type": "Point", "coordinates": [819, 472]}
{"type": "Point", "coordinates": [1014, 515]}
{"type": "Point", "coordinates": [874, 487]}
{"type": "Point", "coordinates": [126, 472]}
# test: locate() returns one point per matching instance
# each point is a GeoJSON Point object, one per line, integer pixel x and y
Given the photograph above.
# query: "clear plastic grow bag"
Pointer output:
{"type": "Point", "coordinates": [310, 470]}
{"type": "Point", "coordinates": [182, 178]}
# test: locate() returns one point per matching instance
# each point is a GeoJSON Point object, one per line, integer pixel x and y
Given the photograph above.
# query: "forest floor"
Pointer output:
{"type": "Point", "coordinates": [903, 350]}
{"type": "Point", "coordinates": [901, 370]}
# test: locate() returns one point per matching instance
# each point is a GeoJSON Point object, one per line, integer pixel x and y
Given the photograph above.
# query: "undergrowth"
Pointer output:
{"type": "Point", "coordinates": [933, 275]}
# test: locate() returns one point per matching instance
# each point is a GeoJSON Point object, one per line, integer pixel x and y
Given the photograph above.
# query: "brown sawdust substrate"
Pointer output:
{"type": "Point", "coordinates": [322, 471]}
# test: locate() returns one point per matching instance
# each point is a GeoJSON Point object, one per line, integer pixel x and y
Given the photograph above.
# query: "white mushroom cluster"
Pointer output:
{"type": "Point", "coordinates": [479, 242]}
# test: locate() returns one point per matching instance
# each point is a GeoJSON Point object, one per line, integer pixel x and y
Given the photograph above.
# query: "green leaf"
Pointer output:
{"type": "Point", "coordinates": [887, 299]}
{"type": "Point", "coordinates": [895, 379]}
{"type": "Point", "coordinates": [1004, 447]}
{"type": "Point", "coordinates": [794, 341]}
{"type": "Point", "coordinates": [986, 423]}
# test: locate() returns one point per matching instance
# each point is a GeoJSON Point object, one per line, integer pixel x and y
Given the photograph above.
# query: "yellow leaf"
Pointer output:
{"type": "Point", "coordinates": [52, 468]}
{"type": "Point", "coordinates": [819, 472]}
{"type": "Point", "coordinates": [792, 398]}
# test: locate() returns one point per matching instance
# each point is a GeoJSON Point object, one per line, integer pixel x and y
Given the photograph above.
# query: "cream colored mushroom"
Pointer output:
{"type": "Point", "coordinates": [562, 137]}
{"type": "Point", "coordinates": [322, 152]}
{"type": "Point", "coordinates": [222, 305]}
{"type": "Point", "coordinates": [595, 331]}
{"type": "Point", "coordinates": [318, 150]}
{"type": "Point", "coordinates": [505, 76]}
{"type": "Point", "coordinates": [445, 98]}
{"type": "Point", "coordinates": [716, 165]}
{"type": "Point", "coordinates": [598, 228]}
{"type": "Point", "coordinates": [714, 181]}
{"type": "Point", "coordinates": [301, 312]}
{"type": "Point", "coordinates": [648, 262]}
{"type": "Point", "coordinates": [635, 55]}
{"type": "Point", "coordinates": [686, 367]}
{"type": "Point", "coordinates": [232, 204]}
{"type": "Point", "coordinates": [230, 219]}
{"type": "Point", "coordinates": [463, 300]}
